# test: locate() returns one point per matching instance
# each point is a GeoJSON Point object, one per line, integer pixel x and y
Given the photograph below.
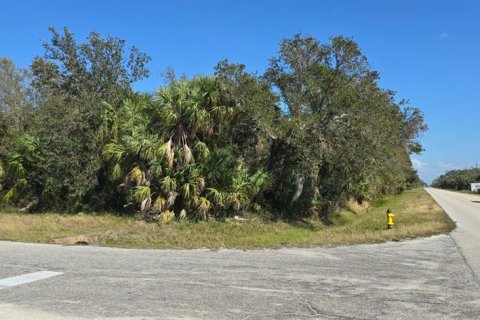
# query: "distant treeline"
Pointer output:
{"type": "Point", "coordinates": [312, 132]}
{"type": "Point", "coordinates": [457, 179]}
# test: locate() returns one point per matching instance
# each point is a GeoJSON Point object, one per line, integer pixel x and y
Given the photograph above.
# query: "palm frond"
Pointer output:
{"type": "Point", "coordinates": [9, 196]}
{"type": "Point", "coordinates": [15, 165]}
{"type": "Point", "coordinates": [109, 125]}
{"type": "Point", "coordinates": [183, 214]}
{"type": "Point", "coordinates": [186, 190]}
{"type": "Point", "coordinates": [165, 151]}
{"type": "Point", "coordinates": [167, 216]}
{"type": "Point", "coordinates": [146, 204]}
{"type": "Point", "coordinates": [159, 204]}
{"type": "Point", "coordinates": [113, 151]}
{"type": "Point", "coordinates": [201, 150]}
{"type": "Point", "coordinates": [187, 155]}
{"type": "Point", "coordinates": [235, 200]}
{"type": "Point", "coordinates": [204, 205]}
{"type": "Point", "coordinates": [169, 117]}
{"type": "Point", "coordinates": [136, 175]}
{"type": "Point", "coordinates": [172, 196]}
{"type": "Point", "coordinates": [200, 184]}
{"type": "Point", "coordinates": [148, 151]}
{"type": "Point", "coordinates": [168, 184]}
{"type": "Point", "coordinates": [29, 144]}
{"type": "Point", "coordinates": [216, 195]}
{"type": "Point", "coordinates": [117, 172]}
{"type": "Point", "coordinates": [140, 193]}
{"type": "Point", "coordinates": [16, 191]}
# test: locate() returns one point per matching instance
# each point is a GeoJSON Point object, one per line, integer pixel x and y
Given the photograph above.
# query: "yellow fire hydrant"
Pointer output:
{"type": "Point", "coordinates": [390, 217]}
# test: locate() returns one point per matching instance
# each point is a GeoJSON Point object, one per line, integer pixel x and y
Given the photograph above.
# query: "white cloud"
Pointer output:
{"type": "Point", "coordinates": [446, 166]}
{"type": "Point", "coordinates": [429, 171]}
{"type": "Point", "coordinates": [417, 164]}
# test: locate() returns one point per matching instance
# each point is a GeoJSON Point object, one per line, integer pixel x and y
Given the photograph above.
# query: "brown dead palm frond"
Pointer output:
{"type": "Point", "coordinates": [169, 154]}
{"type": "Point", "coordinates": [183, 214]}
{"type": "Point", "coordinates": [171, 198]}
{"type": "Point", "coordinates": [187, 155]}
{"type": "Point", "coordinates": [146, 204]}
{"type": "Point", "coordinates": [200, 184]}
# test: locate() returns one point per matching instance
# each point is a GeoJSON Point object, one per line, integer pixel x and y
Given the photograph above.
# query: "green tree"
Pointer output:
{"type": "Point", "coordinates": [98, 70]}
{"type": "Point", "coordinates": [16, 109]}
{"type": "Point", "coordinates": [457, 179]}
{"type": "Point", "coordinates": [16, 105]}
{"type": "Point", "coordinates": [256, 115]}
{"type": "Point", "coordinates": [71, 82]}
{"type": "Point", "coordinates": [342, 133]}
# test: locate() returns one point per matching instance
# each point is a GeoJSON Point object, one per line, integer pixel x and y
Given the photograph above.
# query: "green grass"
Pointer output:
{"type": "Point", "coordinates": [417, 215]}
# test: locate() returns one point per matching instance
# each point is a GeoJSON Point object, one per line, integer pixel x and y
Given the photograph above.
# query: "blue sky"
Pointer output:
{"type": "Point", "coordinates": [427, 51]}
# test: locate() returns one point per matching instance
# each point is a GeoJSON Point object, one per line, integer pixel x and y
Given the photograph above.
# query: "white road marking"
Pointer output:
{"type": "Point", "coordinates": [26, 278]}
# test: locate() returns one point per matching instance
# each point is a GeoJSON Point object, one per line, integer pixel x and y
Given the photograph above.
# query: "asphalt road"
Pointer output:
{"type": "Point", "coordinates": [464, 209]}
{"type": "Point", "coordinates": [420, 279]}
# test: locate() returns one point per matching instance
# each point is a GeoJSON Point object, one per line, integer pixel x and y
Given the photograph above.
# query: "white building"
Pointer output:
{"type": "Point", "coordinates": [475, 187]}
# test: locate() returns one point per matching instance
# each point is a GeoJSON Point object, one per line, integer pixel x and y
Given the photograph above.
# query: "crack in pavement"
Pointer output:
{"type": "Point", "coordinates": [477, 281]}
{"type": "Point", "coordinates": [316, 312]}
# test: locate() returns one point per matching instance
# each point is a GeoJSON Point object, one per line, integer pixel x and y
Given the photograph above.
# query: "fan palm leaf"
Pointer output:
{"type": "Point", "coordinates": [15, 165]}
{"type": "Point", "coordinates": [140, 193]}
{"type": "Point", "coordinates": [159, 204]}
{"type": "Point", "coordinates": [136, 175]}
{"type": "Point", "coordinates": [201, 150]}
{"type": "Point", "coordinates": [114, 151]}
{"type": "Point", "coordinates": [168, 184]}
{"type": "Point", "coordinates": [16, 191]}
{"type": "Point", "coordinates": [216, 195]}
{"type": "Point", "coordinates": [117, 171]}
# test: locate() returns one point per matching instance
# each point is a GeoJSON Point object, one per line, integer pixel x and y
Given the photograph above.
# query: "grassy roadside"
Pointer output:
{"type": "Point", "coordinates": [416, 215]}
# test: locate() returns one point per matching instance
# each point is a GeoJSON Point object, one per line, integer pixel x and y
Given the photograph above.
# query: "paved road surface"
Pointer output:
{"type": "Point", "coordinates": [421, 279]}
{"type": "Point", "coordinates": [464, 209]}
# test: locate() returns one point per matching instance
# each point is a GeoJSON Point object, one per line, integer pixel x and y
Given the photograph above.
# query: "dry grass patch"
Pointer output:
{"type": "Point", "coordinates": [416, 215]}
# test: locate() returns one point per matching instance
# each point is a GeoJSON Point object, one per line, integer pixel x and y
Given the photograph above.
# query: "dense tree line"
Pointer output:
{"type": "Point", "coordinates": [298, 141]}
{"type": "Point", "coordinates": [457, 179]}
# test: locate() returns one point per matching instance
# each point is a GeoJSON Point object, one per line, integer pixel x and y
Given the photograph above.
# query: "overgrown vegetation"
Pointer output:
{"type": "Point", "coordinates": [416, 212]}
{"type": "Point", "coordinates": [299, 141]}
{"type": "Point", "coordinates": [457, 179]}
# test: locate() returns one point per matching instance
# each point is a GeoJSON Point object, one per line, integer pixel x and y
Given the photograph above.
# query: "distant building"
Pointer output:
{"type": "Point", "coordinates": [475, 187]}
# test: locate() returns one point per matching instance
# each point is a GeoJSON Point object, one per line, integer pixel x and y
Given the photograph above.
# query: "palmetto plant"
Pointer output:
{"type": "Point", "coordinates": [163, 152]}
{"type": "Point", "coordinates": [16, 170]}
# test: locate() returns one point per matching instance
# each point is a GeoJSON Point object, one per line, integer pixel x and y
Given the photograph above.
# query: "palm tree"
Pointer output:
{"type": "Point", "coordinates": [157, 147]}
{"type": "Point", "coordinates": [18, 163]}
{"type": "Point", "coordinates": [160, 151]}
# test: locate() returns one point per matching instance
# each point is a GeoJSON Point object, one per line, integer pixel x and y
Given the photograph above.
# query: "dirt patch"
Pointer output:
{"type": "Point", "coordinates": [358, 207]}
